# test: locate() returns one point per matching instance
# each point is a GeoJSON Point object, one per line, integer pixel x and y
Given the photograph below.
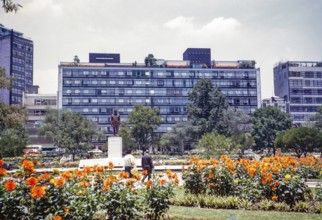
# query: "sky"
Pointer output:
{"type": "Point", "coordinates": [267, 31]}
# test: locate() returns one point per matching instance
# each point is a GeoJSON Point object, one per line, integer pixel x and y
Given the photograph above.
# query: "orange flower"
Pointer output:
{"type": "Point", "coordinates": [211, 175]}
{"type": "Point", "coordinates": [163, 181]}
{"type": "Point", "coordinates": [28, 166]}
{"type": "Point", "coordinates": [274, 198]}
{"type": "Point", "coordinates": [145, 172]}
{"type": "Point", "coordinates": [211, 184]}
{"type": "Point", "coordinates": [59, 182]}
{"type": "Point", "coordinates": [176, 181]}
{"type": "Point", "coordinates": [293, 170]}
{"type": "Point", "coordinates": [269, 177]}
{"type": "Point", "coordinates": [67, 175]}
{"type": "Point", "coordinates": [57, 217]}
{"type": "Point", "coordinates": [107, 184]}
{"type": "Point", "coordinates": [149, 183]}
{"type": "Point", "coordinates": [66, 210]}
{"type": "Point", "coordinates": [3, 172]}
{"type": "Point", "coordinates": [110, 165]}
{"type": "Point", "coordinates": [264, 181]}
{"type": "Point", "coordinates": [123, 175]}
{"type": "Point", "coordinates": [1, 163]}
{"type": "Point", "coordinates": [87, 169]}
{"type": "Point", "coordinates": [37, 192]}
{"type": "Point", "coordinates": [100, 169]}
{"type": "Point", "coordinates": [44, 176]}
{"type": "Point", "coordinates": [277, 184]}
{"type": "Point", "coordinates": [83, 184]}
{"type": "Point", "coordinates": [273, 188]}
{"type": "Point", "coordinates": [32, 181]}
{"type": "Point", "coordinates": [10, 185]}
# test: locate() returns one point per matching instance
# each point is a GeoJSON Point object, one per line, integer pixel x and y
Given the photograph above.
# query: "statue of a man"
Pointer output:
{"type": "Point", "coordinates": [115, 121]}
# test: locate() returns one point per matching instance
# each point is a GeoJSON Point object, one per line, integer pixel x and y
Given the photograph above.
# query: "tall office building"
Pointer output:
{"type": "Point", "coordinates": [16, 56]}
{"type": "Point", "coordinates": [300, 84]}
{"type": "Point", "coordinates": [198, 56]}
{"type": "Point", "coordinates": [95, 89]}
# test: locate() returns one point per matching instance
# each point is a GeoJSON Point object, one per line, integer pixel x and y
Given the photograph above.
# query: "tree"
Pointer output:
{"type": "Point", "coordinates": [149, 60]}
{"type": "Point", "coordinates": [144, 121]}
{"type": "Point", "coordinates": [13, 135]}
{"type": "Point", "coordinates": [69, 130]}
{"type": "Point", "coordinates": [207, 108]}
{"type": "Point", "coordinates": [9, 6]}
{"type": "Point", "coordinates": [127, 139]}
{"type": "Point", "coordinates": [243, 141]}
{"type": "Point", "coordinates": [302, 140]}
{"type": "Point", "coordinates": [238, 122]}
{"type": "Point", "coordinates": [268, 122]}
{"type": "Point", "coordinates": [212, 144]}
{"type": "Point", "coordinates": [5, 81]}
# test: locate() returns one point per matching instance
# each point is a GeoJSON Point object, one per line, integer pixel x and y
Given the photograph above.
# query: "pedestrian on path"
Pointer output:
{"type": "Point", "coordinates": [129, 162]}
{"type": "Point", "coordinates": [147, 164]}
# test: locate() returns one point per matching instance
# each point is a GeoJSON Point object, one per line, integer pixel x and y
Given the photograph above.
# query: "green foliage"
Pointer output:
{"type": "Point", "coordinates": [238, 122]}
{"type": "Point", "coordinates": [10, 6]}
{"type": "Point", "coordinates": [149, 60]}
{"type": "Point", "coordinates": [207, 108]}
{"type": "Point", "coordinates": [69, 130]}
{"type": "Point", "coordinates": [5, 81]}
{"type": "Point", "coordinates": [127, 138]}
{"type": "Point", "coordinates": [301, 207]}
{"type": "Point", "coordinates": [212, 144]}
{"type": "Point", "coordinates": [268, 122]}
{"type": "Point", "coordinates": [13, 134]}
{"type": "Point", "coordinates": [144, 121]}
{"type": "Point", "coordinates": [302, 140]}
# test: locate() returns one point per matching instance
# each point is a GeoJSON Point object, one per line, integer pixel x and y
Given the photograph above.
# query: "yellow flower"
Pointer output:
{"type": "Point", "coordinates": [236, 181]}
{"type": "Point", "coordinates": [287, 176]}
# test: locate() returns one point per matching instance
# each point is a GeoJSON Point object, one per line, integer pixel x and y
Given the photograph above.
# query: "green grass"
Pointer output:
{"type": "Point", "coordinates": [191, 213]}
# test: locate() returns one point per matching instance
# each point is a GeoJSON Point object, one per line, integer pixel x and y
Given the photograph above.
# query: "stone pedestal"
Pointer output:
{"type": "Point", "coordinates": [114, 147]}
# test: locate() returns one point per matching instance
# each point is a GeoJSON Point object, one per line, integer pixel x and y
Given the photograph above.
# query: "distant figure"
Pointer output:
{"type": "Point", "coordinates": [147, 164]}
{"type": "Point", "coordinates": [129, 162]}
{"type": "Point", "coordinates": [115, 121]}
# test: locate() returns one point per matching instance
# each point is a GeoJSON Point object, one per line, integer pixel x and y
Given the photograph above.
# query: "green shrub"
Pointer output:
{"type": "Point", "coordinates": [266, 205]}
{"type": "Point", "coordinates": [301, 207]}
{"type": "Point", "coordinates": [282, 207]}
{"type": "Point", "coordinates": [318, 207]}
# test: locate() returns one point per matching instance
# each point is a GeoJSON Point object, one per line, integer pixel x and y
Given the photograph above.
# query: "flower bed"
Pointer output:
{"type": "Point", "coordinates": [279, 178]}
{"type": "Point", "coordinates": [78, 194]}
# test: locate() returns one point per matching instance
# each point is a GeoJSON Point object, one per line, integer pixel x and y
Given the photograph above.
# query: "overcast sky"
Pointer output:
{"type": "Point", "coordinates": [267, 31]}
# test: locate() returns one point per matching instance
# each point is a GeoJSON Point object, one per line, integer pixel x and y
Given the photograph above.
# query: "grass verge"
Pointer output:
{"type": "Point", "coordinates": [191, 213]}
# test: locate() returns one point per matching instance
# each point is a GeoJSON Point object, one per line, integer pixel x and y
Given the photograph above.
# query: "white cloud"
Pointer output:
{"type": "Point", "coordinates": [180, 22]}
{"type": "Point", "coordinates": [221, 25]}
{"type": "Point", "coordinates": [42, 6]}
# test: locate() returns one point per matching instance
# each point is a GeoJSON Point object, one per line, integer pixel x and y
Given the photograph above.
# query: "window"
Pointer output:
{"type": "Point", "coordinates": [85, 109]}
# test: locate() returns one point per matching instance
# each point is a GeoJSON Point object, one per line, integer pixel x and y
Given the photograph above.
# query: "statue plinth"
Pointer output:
{"type": "Point", "coordinates": [114, 147]}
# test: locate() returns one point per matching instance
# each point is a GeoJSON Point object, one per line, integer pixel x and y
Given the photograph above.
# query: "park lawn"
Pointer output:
{"type": "Point", "coordinates": [194, 213]}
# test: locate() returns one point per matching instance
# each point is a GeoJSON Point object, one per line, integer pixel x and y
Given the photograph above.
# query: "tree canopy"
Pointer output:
{"type": "Point", "coordinates": [302, 140]}
{"type": "Point", "coordinates": [143, 121]}
{"type": "Point", "coordinates": [13, 135]}
{"type": "Point", "coordinates": [10, 6]}
{"type": "Point", "coordinates": [211, 145]}
{"type": "Point", "coordinates": [207, 108]}
{"type": "Point", "coordinates": [268, 122]}
{"type": "Point", "coordinates": [69, 130]}
{"type": "Point", "coordinates": [127, 139]}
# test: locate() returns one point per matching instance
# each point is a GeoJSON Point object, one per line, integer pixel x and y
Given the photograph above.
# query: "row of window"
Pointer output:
{"type": "Point", "coordinates": [310, 74]}
{"type": "Point", "coordinates": [302, 100]}
{"type": "Point", "coordinates": [306, 92]}
{"type": "Point", "coordinates": [155, 82]}
{"type": "Point", "coordinates": [304, 108]}
{"type": "Point", "coordinates": [152, 92]}
{"type": "Point", "coordinates": [22, 46]}
{"type": "Point", "coordinates": [306, 83]}
{"type": "Point", "coordinates": [161, 73]}
{"type": "Point", "coordinates": [18, 68]}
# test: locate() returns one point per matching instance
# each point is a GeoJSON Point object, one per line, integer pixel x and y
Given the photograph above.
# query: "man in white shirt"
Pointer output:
{"type": "Point", "coordinates": [129, 162]}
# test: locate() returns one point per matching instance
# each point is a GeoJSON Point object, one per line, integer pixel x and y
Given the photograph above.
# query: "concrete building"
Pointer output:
{"type": "Point", "coordinates": [37, 105]}
{"type": "Point", "coordinates": [16, 56]}
{"type": "Point", "coordinates": [198, 56]}
{"type": "Point", "coordinates": [300, 84]}
{"type": "Point", "coordinates": [95, 89]}
{"type": "Point", "coordinates": [276, 102]}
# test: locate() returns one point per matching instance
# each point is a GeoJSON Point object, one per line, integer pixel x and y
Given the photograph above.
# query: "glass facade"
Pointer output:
{"type": "Point", "coordinates": [17, 59]}
{"type": "Point", "coordinates": [95, 90]}
{"type": "Point", "coordinates": [300, 83]}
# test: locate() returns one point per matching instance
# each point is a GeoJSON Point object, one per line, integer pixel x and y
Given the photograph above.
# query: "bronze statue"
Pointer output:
{"type": "Point", "coordinates": [115, 121]}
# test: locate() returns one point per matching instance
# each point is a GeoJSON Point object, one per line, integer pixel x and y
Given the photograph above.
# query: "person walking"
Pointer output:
{"type": "Point", "coordinates": [129, 162]}
{"type": "Point", "coordinates": [147, 164]}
